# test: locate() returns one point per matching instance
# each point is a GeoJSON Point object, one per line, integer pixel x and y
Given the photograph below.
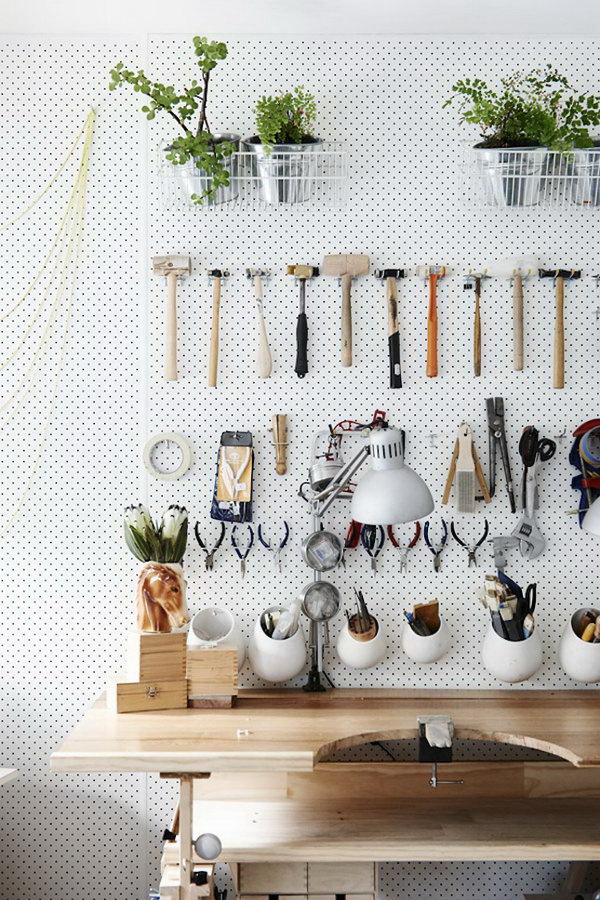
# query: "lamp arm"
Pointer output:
{"type": "Point", "coordinates": [340, 482]}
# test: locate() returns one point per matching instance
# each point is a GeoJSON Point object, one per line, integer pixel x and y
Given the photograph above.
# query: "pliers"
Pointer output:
{"type": "Point", "coordinates": [242, 555]}
{"type": "Point", "coordinates": [368, 538]}
{"type": "Point", "coordinates": [404, 548]}
{"type": "Point", "coordinates": [436, 549]}
{"type": "Point", "coordinates": [275, 550]}
{"type": "Point", "coordinates": [210, 555]}
{"type": "Point", "coordinates": [471, 548]}
{"type": "Point", "coordinates": [497, 437]}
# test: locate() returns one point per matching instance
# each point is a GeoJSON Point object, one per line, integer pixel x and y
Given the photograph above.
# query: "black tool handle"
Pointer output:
{"type": "Point", "coordinates": [394, 351]}
{"type": "Point", "coordinates": [301, 346]}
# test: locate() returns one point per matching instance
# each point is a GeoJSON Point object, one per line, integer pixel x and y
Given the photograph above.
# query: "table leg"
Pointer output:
{"type": "Point", "coordinates": [186, 808]}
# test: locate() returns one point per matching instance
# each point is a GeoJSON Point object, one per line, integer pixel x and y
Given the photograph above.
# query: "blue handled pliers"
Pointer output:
{"type": "Point", "coordinates": [242, 555]}
{"type": "Point", "coordinates": [275, 550]}
{"type": "Point", "coordinates": [368, 538]}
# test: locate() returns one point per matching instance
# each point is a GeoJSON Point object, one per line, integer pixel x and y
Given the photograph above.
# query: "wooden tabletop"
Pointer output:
{"type": "Point", "coordinates": [290, 731]}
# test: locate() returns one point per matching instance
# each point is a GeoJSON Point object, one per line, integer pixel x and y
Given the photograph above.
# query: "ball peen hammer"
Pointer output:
{"type": "Point", "coordinates": [172, 267]}
{"type": "Point", "coordinates": [390, 277]}
{"type": "Point", "coordinates": [432, 274]}
{"type": "Point", "coordinates": [559, 276]}
{"type": "Point", "coordinates": [216, 276]}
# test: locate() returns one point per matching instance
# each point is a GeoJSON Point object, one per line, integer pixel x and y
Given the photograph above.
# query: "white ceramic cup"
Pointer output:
{"type": "Point", "coordinates": [425, 649]}
{"type": "Point", "coordinates": [579, 659]}
{"type": "Point", "coordinates": [358, 654]}
{"type": "Point", "coordinates": [276, 660]}
{"type": "Point", "coordinates": [511, 661]}
{"type": "Point", "coordinates": [214, 627]}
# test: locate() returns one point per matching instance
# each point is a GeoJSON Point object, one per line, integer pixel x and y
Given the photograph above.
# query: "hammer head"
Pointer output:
{"type": "Point", "coordinates": [217, 273]}
{"type": "Point", "coordinates": [559, 273]}
{"type": "Point", "coordinates": [440, 271]}
{"type": "Point", "coordinates": [303, 271]}
{"type": "Point", "coordinates": [352, 264]}
{"type": "Point", "coordinates": [389, 273]}
{"type": "Point", "coordinates": [165, 265]}
{"type": "Point", "coordinates": [261, 273]}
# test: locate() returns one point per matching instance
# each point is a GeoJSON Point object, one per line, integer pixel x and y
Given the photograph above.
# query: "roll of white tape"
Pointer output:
{"type": "Point", "coordinates": [186, 455]}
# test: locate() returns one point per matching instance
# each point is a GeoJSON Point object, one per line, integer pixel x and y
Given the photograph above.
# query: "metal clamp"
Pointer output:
{"type": "Point", "coordinates": [435, 745]}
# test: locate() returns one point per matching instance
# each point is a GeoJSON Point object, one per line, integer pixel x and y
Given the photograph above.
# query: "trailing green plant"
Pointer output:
{"type": "Point", "coordinates": [196, 143]}
{"type": "Point", "coordinates": [539, 108]}
{"type": "Point", "coordinates": [163, 541]}
{"type": "Point", "coordinates": [286, 118]}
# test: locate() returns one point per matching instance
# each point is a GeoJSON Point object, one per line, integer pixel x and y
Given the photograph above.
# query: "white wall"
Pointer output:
{"type": "Point", "coordinates": [437, 17]}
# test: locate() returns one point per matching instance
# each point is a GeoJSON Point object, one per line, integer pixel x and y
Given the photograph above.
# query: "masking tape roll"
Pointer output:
{"type": "Point", "coordinates": [186, 455]}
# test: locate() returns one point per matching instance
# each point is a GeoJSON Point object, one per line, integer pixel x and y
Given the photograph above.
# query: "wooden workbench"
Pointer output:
{"type": "Point", "coordinates": [272, 794]}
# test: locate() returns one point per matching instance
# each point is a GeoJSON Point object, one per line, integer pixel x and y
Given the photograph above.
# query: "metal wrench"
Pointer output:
{"type": "Point", "coordinates": [531, 540]}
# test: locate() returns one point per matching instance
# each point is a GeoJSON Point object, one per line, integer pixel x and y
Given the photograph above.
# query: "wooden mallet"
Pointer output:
{"type": "Point", "coordinates": [346, 267]}
{"type": "Point", "coordinates": [216, 275]}
{"type": "Point", "coordinates": [172, 267]}
{"type": "Point", "coordinates": [432, 274]}
{"type": "Point", "coordinates": [391, 293]}
{"type": "Point", "coordinates": [559, 275]}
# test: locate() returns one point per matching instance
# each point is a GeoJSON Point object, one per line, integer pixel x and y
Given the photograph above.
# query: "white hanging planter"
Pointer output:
{"type": "Point", "coordinates": [511, 661]}
{"type": "Point", "coordinates": [425, 649]}
{"type": "Point", "coordinates": [357, 653]}
{"type": "Point", "coordinates": [579, 659]}
{"type": "Point", "coordinates": [276, 660]}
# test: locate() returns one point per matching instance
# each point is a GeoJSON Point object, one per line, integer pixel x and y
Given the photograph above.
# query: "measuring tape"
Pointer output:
{"type": "Point", "coordinates": [168, 437]}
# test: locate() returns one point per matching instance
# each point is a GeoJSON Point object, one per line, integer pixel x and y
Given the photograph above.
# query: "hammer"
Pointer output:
{"type": "Point", "coordinates": [263, 355]}
{"type": "Point", "coordinates": [173, 267]}
{"type": "Point", "coordinates": [559, 275]}
{"type": "Point", "coordinates": [216, 275]}
{"type": "Point", "coordinates": [432, 274]}
{"type": "Point", "coordinates": [473, 280]}
{"type": "Point", "coordinates": [346, 267]}
{"type": "Point", "coordinates": [302, 273]}
{"type": "Point", "coordinates": [391, 292]}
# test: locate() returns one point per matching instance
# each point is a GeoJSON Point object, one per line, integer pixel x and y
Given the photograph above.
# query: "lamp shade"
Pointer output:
{"type": "Point", "coordinates": [591, 520]}
{"type": "Point", "coordinates": [389, 492]}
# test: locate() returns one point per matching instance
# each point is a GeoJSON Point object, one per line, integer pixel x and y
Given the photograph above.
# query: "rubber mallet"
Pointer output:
{"type": "Point", "coordinates": [391, 293]}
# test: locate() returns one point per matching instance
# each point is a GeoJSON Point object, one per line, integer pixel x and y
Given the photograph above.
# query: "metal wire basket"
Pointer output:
{"type": "Point", "coordinates": [317, 175]}
{"type": "Point", "coordinates": [532, 177]}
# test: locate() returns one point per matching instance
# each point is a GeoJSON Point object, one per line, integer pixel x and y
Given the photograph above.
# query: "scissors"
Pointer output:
{"type": "Point", "coordinates": [275, 550]}
{"type": "Point", "coordinates": [242, 555]}
{"type": "Point", "coordinates": [404, 548]}
{"type": "Point", "coordinates": [209, 557]}
{"type": "Point", "coordinates": [368, 538]}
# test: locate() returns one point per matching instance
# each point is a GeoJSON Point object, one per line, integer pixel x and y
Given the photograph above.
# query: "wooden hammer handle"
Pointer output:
{"type": "Point", "coordinates": [346, 320]}
{"type": "Point", "coordinates": [214, 334]}
{"type": "Point", "coordinates": [477, 331]}
{"type": "Point", "coordinates": [558, 377]}
{"type": "Point", "coordinates": [393, 332]}
{"type": "Point", "coordinates": [264, 363]}
{"type": "Point", "coordinates": [171, 328]}
{"type": "Point", "coordinates": [431, 370]}
{"type": "Point", "coordinates": [518, 362]}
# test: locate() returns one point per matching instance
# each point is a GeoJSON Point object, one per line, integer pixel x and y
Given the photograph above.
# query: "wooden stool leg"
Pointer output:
{"type": "Point", "coordinates": [186, 795]}
{"type": "Point", "coordinates": [575, 880]}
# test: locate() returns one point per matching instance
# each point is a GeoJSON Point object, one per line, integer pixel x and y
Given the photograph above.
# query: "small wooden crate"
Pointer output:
{"type": "Point", "coordinates": [156, 657]}
{"type": "Point", "coordinates": [144, 696]}
{"type": "Point", "coordinates": [212, 677]}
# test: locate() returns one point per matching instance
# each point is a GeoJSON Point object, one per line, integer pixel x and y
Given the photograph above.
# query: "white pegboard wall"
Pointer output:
{"type": "Point", "coordinates": [68, 576]}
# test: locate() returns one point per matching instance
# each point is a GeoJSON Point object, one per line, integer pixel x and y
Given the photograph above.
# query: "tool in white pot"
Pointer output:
{"type": "Point", "coordinates": [264, 362]}
{"type": "Point", "coordinates": [432, 274]}
{"type": "Point", "coordinates": [516, 269]}
{"type": "Point", "coordinates": [559, 276]}
{"type": "Point", "coordinates": [173, 268]}
{"type": "Point", "coordinates": [390, 276]}
{"type": "Point", "coordinates": [216, 276]}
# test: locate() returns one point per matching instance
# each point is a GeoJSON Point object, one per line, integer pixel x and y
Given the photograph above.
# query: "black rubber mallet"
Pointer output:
{"type": "Point", "coordinates": [302, 273]}
{"type": "Point", "coordinates": [559, 275]}
{"type": "Point", "coordinates": [391, 293]}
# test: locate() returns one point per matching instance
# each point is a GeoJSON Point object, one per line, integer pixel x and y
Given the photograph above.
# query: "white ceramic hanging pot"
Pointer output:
{"type": "Point", "coordinates": [579, 659]}
{"type": "Point", "coordinates": [357, 653]}
{"type": "Point", "coordinates": [425, 649]}
{"type": "Point", "coordinates": [214, 627]}
{"type": "Point", "coordinates": [276, 660]}
{"type": "Point", "coordinates": [511, 661]}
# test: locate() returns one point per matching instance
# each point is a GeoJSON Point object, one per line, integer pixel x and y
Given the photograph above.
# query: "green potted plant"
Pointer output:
{"type": "Point", "coordinates": [204, 160]}
{"type": "Point", "coordinates": [281, 150]}
{"type": "Point", "coordinates": [530, 114]}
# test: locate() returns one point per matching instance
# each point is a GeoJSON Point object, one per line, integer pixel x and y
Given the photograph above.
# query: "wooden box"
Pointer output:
{"type": "Point", "coordinates": [145, 696]}
{"type": "Point", "coordinates": [156, 657]}
{"type": "Point", "coordinates": [212, 677]}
